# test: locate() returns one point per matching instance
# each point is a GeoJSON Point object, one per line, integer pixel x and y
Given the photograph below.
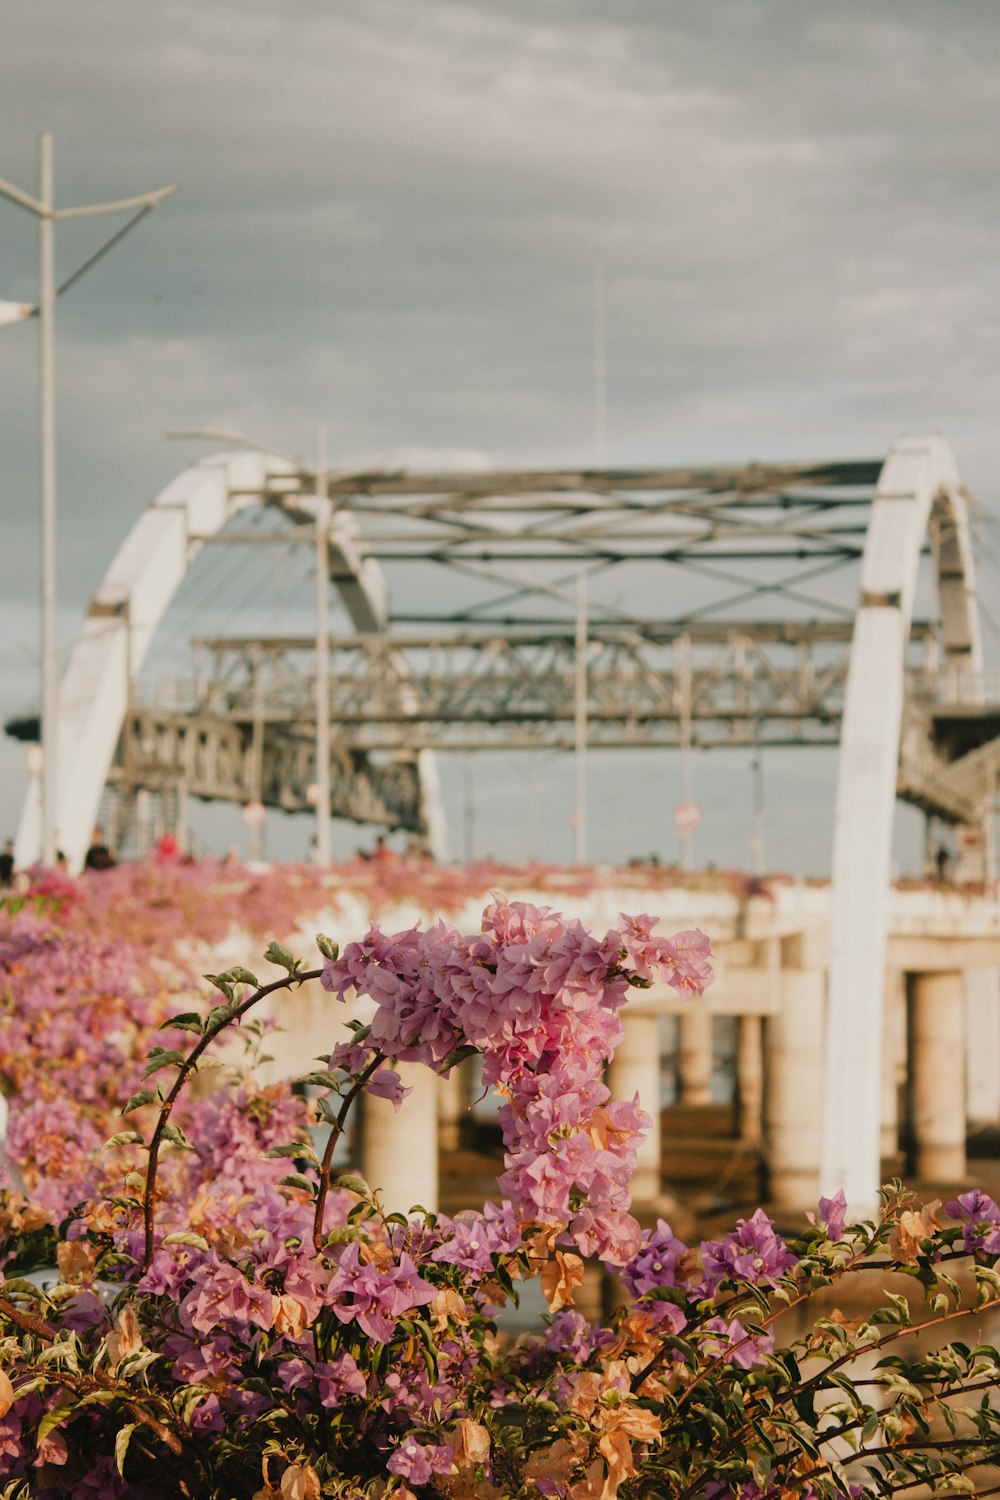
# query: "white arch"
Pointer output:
{"type": "Point", "coordinates": [919, 483]}
{"type": "Point", "coordinates": [128, 607]}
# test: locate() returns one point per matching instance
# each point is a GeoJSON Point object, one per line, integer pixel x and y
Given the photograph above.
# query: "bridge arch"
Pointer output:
{"type": "Point", "coordinates": [918, 491]}
{"type": "Point", "coordinates": [132, 600]}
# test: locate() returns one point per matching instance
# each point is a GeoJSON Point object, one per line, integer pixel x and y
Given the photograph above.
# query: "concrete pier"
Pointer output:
{"type": "Point", "coordinates": [635, 1069]}
{"type": "Point", "coordinates": [749, 1079]}
{"type": "Point", "coordinates": [696, 1053]}
{"type": "Point", "coordinates": [937, 1075]}
{"type": "Point", "coordinates": [793, 1088]}
{"type": "Point", "coordinates": [399, 1152]}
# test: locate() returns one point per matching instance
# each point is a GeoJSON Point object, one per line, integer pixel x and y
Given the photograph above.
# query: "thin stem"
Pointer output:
{"type": "Point", "coordinates": [236, 1013]}
{"type": "Point", "coordinates": [817, 1381]}
{"type": "Point", "coordinates": [336, 1131]}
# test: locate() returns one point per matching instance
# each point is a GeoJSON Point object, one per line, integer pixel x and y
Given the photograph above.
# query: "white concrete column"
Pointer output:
{"type": "Point", "coordinates": [635, 1069]}
{"type": "Point", "coordinates": [982, 1027]}
{"type": "Point", "coordinates": [793, 1090]}
{"type": "Point", "coordinates": [399, 1152]}
{"type": "Point", "coordinates": [454, 1099]}
{"type": "Point", "coordinates": [696, 1054]}
{"type": "Point", "coordinates": [893, 1058]}
{"type": "Point", "coordinates": [937, 1082]}
{"type": "Point", "coordinates": [749, 1078]}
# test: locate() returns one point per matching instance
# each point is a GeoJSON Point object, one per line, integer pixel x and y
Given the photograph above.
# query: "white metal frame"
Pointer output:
{"type": "Point", "coordinates": [128, 607]}
{"type": "Point", "coordinates": [919, 481]}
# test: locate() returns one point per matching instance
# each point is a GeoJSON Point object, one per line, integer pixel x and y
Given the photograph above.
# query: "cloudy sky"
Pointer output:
{"type": "Point", "coordinates": [387, 219]}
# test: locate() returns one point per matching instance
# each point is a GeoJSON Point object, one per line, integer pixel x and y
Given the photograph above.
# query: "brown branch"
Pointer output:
{"type": "Point", "coordinates": [336, 1131]}
{"type": "Point", "coordinates": [74, 1381]}
{"type": "Point", "coordinates": [183, 1072]}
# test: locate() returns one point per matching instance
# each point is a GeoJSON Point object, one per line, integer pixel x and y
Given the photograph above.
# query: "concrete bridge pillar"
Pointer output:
{"type": "Point", "coordinates": [893, 1058]}
{"type": "Point", "coordinates": [399, 1152]}
{"type": "Point", "coordinates": [695, 1062]}
{"type": "Point", "coordinates": [454, 1101]}
{"type": "Point", "coordinates": [793, 1089]}
{"type": "Point", "coordinates": [635, 1069]}
{"type": "Point", "coordinates": [937, 1075]}
{"type": "Point", "coordinates": [982, 1024]}
{"type": "Point", "coordinates": [749, 1079]}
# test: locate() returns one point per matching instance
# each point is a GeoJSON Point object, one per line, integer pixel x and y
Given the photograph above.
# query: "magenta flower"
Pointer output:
{"type": "Point", "coordinates": [657, 1262]}
{"type": "Point", "coordinates": [833, 1214]}
{"type": "Point", "coordinates": [416, 1462]}
{"type": "Point", "coordinates": [374, 1296]}
{"type": "Point", "coordinates": [752, 1252]}
{"type": "Point", "coordinates": [222, 1295]}
{"type": "Point", "coordinates": [981, 1230]}
{"type": "Point", "coordinates": [387, 1084]}
{"type": "Point", "coordinates": [733, 1341]}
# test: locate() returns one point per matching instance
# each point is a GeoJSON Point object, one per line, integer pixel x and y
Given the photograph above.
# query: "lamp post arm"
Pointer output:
{"type": "Point", "coordinates": [86, 210]}
{"type": "Point", "coordinates": [108, 245]}
{"type": "Point", "coordinates": [8, 190]}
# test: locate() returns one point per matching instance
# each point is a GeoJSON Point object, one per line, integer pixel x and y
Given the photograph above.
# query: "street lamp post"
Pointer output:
{"type": "Point", "coordinates": [44, 209]}
{"type": "Point", "coordinates": [322, 652]}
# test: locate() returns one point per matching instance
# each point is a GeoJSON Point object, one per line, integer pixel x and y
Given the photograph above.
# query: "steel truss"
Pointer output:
{"type": "Point", "coordinates": [720, 609]}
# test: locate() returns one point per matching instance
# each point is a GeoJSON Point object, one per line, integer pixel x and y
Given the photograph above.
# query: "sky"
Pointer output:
{"type": "Point", "coordinates": [386, 221]}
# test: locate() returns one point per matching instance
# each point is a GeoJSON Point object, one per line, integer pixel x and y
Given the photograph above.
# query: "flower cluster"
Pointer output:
{"type": "Point", "coordinates": [212, 1312]}
{"type": "Point", "coordinates": [538, 997]}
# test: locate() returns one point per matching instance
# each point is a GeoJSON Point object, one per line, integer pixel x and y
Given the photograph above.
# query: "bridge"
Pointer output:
{"type": "Point", "coordinates": [738, 605]}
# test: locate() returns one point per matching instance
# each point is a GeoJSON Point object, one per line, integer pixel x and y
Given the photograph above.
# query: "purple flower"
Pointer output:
{"type": "Point", "coordinates": [476, 1237]}
{"type": "Point", "coordinates": [833, 1214]}
{"type": "Point", "coordinates": [375, 1296]}
{"type": "Point", "coordinates": [732, 1340]}
{"type": "Point", "coordinates": [657, 1261]}
{"type": "Point", "coordinates": [208, 1417]}
{"type": "Point", "coordinates": [753, 1252]}
{"type": "Point", "coordinates": [416, 1462]}
{"type": "Point", "coordinates": [387, 1084]}
{"type": "Point", "coordinates": [222, 1294]}
{"type": "Point", "coordinates": [332, 1380]}
{"type": "Point", "coordinates": [571, 1335]}
{"type": "Point", "coordinates": [979, 1211]}
{"type": "Point", "coordinates": [198, 1360]}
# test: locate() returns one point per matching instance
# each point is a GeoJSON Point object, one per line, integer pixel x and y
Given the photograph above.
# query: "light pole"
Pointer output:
{"type": "Point", "coordinates": [323, 509]}
{"type": "Point", "coordinates": [43, 207]}
{"type": "Point", "coordinates": [580, 722]}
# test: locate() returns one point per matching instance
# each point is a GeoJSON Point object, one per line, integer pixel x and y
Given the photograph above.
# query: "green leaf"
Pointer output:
{"type": "Point", "coordinates": [296, 1180]}
{"type": "Point", "coordinates": [239, 975]}
{"type": "Point", "coordinates": [275, 954]}
{"type": "Point", "coordinates": [160, 1057]}
{"type": "Point", "coordinates": [218, 1017]}
{"type": "Point", "coordinates": [144, 1096]}
{"type": "Point", "coordinates": [176, 1136]}
{"type": "Point", "coordinates": [352, 1183]}
{"type": "Point", "coordinates": [185, 1237]}
{"type": "Point", "coordinates": [221, 982]}
{"type": "Point", "coordinates": [188, 1020]}
{"type": "Point", "coordinates": [327, 947]}
{"type": "Point", "coordinates": [298, 1149]}
{"type": "Point", "coordinates": [457, 1056]}
{"type": "Point", "coordinates": [123, 1138]}
{"type": "Point", "coordinates": [121, 1445]}
{"type": "Point", "coordinates": [322, 1079]}
{"type": "Point", "coordinates": [51, 1420]}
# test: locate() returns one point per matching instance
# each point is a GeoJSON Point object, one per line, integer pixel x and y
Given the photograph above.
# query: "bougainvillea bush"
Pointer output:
{"type": "Point", "coordinates": [199, 1306]}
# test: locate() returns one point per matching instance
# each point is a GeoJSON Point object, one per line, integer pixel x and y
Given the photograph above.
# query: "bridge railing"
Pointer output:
{"type": "Point", "coordinates": [953, 687]}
